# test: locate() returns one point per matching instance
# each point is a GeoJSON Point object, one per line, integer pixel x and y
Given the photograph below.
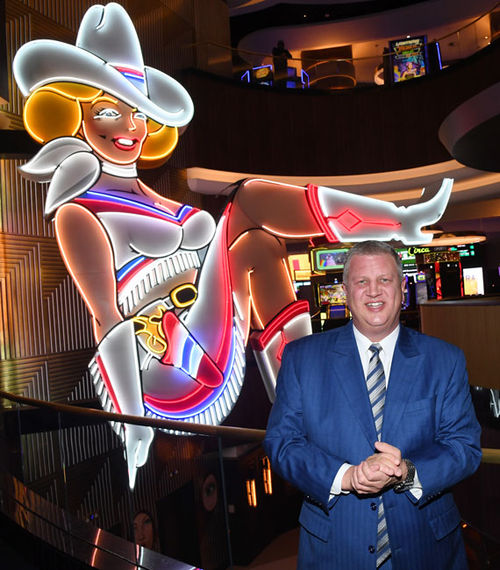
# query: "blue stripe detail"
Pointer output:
{"type": "Point", "coordinates": [127, 268]}
{"type": "Point", "coordinates": [189, 345]}
{"type": "Point", "coordinates": [133, 77]}
{"type": "Point", "coordinates": [209, 401]}
{"type": "Point", "coordinates": [127, 201]}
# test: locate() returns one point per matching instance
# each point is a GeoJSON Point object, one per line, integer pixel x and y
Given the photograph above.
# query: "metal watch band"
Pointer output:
{"type": "Point", "coordinates": [407, 484]}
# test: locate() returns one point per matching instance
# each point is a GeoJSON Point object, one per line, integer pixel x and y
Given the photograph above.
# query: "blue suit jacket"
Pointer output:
{"type": "Point", "coordinates": [322, 418]}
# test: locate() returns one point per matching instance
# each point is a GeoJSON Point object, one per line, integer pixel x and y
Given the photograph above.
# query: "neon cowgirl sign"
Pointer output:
{"type": "Point", "coordinates": [175, 297]}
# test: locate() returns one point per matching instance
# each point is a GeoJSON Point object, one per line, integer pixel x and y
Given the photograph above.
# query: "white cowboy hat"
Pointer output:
{"type": "Point", "coordinates": [107, 55]}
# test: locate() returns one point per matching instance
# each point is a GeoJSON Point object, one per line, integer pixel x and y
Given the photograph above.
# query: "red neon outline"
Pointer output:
{"type": "Point", "coordinates": [184, 404]}
{"type": "Point", "coordinates": [321, 220]}
{"type": "Point", "coordinates": [123, 69]}
{"type": "Point", "coordinates": [107, 381]}
{"type": "Point", "coordinates": [207, 373]}
{"type": "Point", "coordinates": [133, 273]}
{"type": "Point", "coordinates": [225, 347]}
{"type": "Point", "coordinates": [281, 348]}
{"type": "Point", "coordinates": [439, 293]}
{"type": "Point", "coordinates": [259, 339]}
{"type": "Point", "coordinates": [169, 323]}
{"type": "Point", "coordinates": [363, 221]}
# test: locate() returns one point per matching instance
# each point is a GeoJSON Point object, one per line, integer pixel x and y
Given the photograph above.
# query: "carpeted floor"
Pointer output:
{"type": "Point", "coordinates": [281, 554]}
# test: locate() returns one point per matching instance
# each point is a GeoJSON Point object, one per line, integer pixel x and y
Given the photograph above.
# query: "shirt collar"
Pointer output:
{"type": "Point", "coordinates": [388, 343]}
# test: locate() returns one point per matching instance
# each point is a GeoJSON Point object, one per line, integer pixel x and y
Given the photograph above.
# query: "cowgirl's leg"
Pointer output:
{"type": "Point", "coordinates": [265, 300]}
{"type": "Point", "coordinates": [292, 212]}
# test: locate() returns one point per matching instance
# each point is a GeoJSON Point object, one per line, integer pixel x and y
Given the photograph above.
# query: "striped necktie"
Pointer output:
{"type": "Point", "coordinates": [375, 383]}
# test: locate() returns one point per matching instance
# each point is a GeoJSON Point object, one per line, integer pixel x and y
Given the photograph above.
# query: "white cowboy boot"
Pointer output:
{"type": "Point", "coordinates": [347, 217]}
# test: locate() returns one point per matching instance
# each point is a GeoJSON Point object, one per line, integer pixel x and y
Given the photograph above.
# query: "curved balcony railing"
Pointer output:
{"type": "Point", "coordinates": [346, 72]}
{"type": "Point", "coordinates": [239, 504]}
{"type": "Point", "coordinates": [50, 452]}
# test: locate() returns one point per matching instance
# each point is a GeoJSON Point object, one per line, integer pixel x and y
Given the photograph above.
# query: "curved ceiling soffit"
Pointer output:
{"type": "Point", "coordinates": [401, 186]}
{"type": "Point", "coordinates": [240, 7]}
{"type": "Point", "coordinates": [447, 16]}
{"type": "Point", "coordinates": [470, 132]}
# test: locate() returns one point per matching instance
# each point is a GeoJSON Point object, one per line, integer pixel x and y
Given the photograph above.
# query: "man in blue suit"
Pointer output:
{"type": "Point", "coordinates": [374, 423]}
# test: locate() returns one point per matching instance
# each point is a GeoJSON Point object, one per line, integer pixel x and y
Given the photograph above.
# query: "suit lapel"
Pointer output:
{"type": "Point", "coordinates": [349, 376]}
{"type": "Point", "coordinates": [405, 370]}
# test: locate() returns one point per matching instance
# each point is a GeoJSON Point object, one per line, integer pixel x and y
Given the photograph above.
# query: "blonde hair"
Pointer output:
{"type": "Point", "coordinates": [55, 110]}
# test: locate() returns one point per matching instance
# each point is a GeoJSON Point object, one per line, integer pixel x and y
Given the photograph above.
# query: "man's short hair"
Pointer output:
{"type": "Point", "coordinates": [372, 247]}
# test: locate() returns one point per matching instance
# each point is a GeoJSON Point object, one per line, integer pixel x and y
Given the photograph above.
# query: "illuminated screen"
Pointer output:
{"type": "Point", "coordinates": [408, 58]}
{"type": "Point", "coordinates": [327, 259]}
{"type": "Point", "coordinates": [473, 281]}
{"type": "Point", "coordinates": [406, 256]}
{"type": "Point", "coordinates": [331, 294]}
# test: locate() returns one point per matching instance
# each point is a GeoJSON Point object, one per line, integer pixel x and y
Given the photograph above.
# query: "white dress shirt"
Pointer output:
{"type": "Point", "coordinates": [387, 344]}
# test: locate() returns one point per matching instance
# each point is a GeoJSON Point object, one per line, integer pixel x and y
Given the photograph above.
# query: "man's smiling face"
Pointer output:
{"type": "Point", "coordinates": [374, 294]}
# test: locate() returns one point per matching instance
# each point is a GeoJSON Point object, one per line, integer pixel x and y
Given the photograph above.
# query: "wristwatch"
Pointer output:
{"type": "Point", "coordinates": [407, 484]}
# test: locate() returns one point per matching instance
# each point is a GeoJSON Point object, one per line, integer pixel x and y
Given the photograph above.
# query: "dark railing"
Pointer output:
{"type": "Point", "coordinates": [45, 477]}
{"type": "Point", "coordinates": [43, 486]}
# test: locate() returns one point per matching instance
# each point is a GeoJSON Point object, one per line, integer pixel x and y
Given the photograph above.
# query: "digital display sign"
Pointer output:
{"type": "Point", "coordinates": [328, 259]}
{"type": "Point", "coordinates": [331, 294]}
{"type": "Point", "coordinates": [409, 58]}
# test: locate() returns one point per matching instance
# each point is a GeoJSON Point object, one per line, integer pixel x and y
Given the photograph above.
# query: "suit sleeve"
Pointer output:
{"type": "Point", "coordinates": [293, 456]}
{"type": "Point", "coordinates": [456, 452]}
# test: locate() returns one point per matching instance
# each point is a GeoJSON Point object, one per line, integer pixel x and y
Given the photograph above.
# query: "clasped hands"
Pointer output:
{"type": "Point", "coordinates": [380, 470]}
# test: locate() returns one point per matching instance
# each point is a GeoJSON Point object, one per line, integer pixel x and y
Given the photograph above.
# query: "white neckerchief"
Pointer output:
{"type": "Point", "coordinates": [120, 170]}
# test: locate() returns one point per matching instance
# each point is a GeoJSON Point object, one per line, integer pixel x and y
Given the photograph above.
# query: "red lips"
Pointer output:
{"type": "Point", "coordinates": [129, 145]}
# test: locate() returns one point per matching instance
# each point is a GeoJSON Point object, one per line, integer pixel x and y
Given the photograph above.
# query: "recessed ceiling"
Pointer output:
{"type": "Point", "coordinates": [368, 28]}
{"type": "Point", "coordinates": [250, 15]}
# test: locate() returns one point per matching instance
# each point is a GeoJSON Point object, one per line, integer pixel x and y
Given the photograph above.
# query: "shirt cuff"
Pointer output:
{"type": "Point", "coordinates": [416, 490]}
{"type": "Point", "coordinates": [336, 488]}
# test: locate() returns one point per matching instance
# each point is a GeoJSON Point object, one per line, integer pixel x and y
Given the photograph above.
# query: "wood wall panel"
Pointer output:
{"type": "Point", "coordinates": [21, 300]}
{"type": "Point", "coordinates": [66, 13]}
{"type": "Point", "coordinates": [22, 203]}
{"type": "Point", "coordinates": [475, 328]}
{"type": "Point", "coordinates": [38, 455]}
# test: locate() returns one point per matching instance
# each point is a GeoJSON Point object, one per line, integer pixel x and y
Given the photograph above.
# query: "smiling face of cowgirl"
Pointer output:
{"type": "Point", "coordinates": [113, 129]}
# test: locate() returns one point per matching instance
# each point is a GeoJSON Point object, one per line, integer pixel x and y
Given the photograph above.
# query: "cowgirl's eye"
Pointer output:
{"type": "Point", "coordinates": [139, 115]}
{"type": "Point", "coordinates": [107, 113]}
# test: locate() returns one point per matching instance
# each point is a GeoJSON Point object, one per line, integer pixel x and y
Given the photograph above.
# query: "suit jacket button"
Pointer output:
{"type": "Point", "coordinates": [373, 506]}
{"type": "Point", "coordinates": [371, 549]}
